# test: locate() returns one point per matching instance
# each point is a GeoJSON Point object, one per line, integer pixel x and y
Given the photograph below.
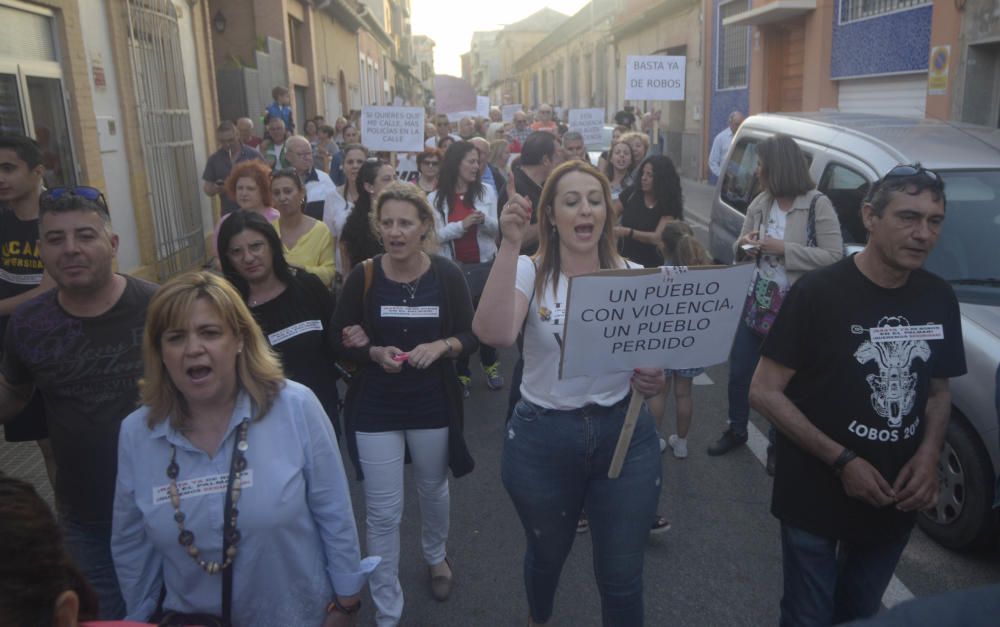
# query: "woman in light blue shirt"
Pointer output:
{"type": "Point", "coordinates": [224, 445]}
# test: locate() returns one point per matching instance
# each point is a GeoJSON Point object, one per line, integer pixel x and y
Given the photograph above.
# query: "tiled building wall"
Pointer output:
{"type": "Point", "coordinates": [888, 44]}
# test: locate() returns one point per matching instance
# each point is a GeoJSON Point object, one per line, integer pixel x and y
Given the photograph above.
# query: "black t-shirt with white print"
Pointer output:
{"type": "Point", "coordinates": [863, 357]}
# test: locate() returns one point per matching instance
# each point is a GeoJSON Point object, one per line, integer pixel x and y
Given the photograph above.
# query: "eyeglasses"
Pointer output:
{"type": "Point", "coordinates": [433, 164]}
{"type": "Point", "coordinates": [52, 197]}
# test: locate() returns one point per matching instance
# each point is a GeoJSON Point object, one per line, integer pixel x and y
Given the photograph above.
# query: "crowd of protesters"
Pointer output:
{"type": "Point", "coordinates": [193, 429]}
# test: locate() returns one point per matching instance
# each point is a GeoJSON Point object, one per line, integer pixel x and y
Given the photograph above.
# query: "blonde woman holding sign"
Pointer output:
{"type": "Point", "coordinates": [562, 433]}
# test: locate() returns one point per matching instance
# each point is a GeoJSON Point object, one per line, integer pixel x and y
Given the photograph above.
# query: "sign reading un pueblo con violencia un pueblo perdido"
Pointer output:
{"type": "Point", "coordinates": [662, 317]}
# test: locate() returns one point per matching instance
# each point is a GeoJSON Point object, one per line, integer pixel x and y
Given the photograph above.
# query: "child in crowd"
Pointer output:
{"type": "Point", "coordinates": [281, 108]}
{"type": "Point", "coordinates": [680, 248]}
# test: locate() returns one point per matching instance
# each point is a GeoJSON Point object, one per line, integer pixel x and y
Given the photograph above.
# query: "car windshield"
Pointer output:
{"type": "Point", "coordinates": [967, 253]}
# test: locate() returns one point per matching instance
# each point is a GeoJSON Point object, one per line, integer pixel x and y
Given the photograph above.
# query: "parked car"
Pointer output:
{"type": "Point", "coordinates": [847, 153]}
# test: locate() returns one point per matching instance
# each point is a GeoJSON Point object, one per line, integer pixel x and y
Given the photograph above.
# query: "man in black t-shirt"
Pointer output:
{"type": "Point", "coordinates": [22, 276]}
{"type": "Point", "coordinates": [854, 374]}
{"type": "Point", "coordinates": [79, 345]}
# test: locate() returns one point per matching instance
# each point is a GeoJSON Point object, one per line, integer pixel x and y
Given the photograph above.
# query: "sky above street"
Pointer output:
{"type": "Point", "coordinates": [450, 23]}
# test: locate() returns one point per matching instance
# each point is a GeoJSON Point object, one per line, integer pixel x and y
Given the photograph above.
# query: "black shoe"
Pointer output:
{"type": "Point", "coordinates": [726, 443]}
{"type": "Point", "coordinates": [769, 466]}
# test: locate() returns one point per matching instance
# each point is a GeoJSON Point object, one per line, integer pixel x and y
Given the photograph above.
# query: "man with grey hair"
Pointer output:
{"type": "Point", "coordinates": [720, 145]}
{"type": "Point", "coordinates": [318, 184]}
{"type": "Point", "coordinates": [574, 147]}
{"type": "Point", "coordinates": [520, 132]}
{"type": "Point", "coordinates": [466, 128]}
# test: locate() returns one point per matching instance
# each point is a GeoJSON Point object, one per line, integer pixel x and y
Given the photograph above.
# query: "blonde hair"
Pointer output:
{"type": "Point", "coordinates": [627, 137]}
{"type": "Point", "coordinates": [258, 368]}
{"type": "Point", "coordinates": [547, 258]}
{"type": "Point", "coordinates": [410, 193]}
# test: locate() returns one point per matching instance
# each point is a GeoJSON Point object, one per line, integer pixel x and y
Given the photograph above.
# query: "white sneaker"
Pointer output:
{"type": "Point", "coordinates": [679, 446]}
{"type": "Point", "coordinates": [663, 445]}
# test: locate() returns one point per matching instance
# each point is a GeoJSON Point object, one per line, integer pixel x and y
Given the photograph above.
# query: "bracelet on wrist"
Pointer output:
{"type": "Point", "coordinates": [842, 460]}
{"type": "Point", "coordinates": [336, 606]}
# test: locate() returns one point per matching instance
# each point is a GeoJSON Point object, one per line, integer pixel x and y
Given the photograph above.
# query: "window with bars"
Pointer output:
{"type": "Point", "coordinates": [854, 10]}
{"type": "Point", "coordinates": [733, 48]}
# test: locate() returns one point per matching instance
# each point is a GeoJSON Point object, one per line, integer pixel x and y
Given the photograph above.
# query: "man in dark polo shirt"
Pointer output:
{"type": "Point", "coordinates": [22, 276]}
{"type": "Point", "coordinates": [539, 156]}
{"type": "Point", "coordinates": [79, 345]}
{"type": "Point", "coordinates": [221, 163]}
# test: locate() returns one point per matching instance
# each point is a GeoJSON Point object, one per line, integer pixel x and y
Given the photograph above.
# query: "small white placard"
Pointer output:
{"type": "Point", "coordinates": [589, 123]}
{"type": "Point", "coordinates": [655, 78]}
{"type": "Point", "coordinates": [483, 106]}
{"type": "Point", "coordinates": [508, 111]}
{"type": "Point", "coordinates": [396, 129]}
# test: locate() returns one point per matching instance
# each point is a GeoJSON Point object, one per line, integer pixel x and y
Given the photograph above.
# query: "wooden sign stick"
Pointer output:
{"type": "Point", "coordinates": [625, 437]}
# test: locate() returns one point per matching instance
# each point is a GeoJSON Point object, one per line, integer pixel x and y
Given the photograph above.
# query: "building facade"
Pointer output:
{"type": "Point", "coordinates": [668, 27]}
{"type": "Point", "coordinates": [138, 74]}
{"type": "Point", "coordinates": [513, 42]}
{"type": "Point", "coordinates": [567, 68]}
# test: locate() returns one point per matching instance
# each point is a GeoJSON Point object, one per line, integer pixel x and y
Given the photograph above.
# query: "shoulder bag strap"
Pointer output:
{"type": "Point", "coordinates": [227, 531]}
{"type": "Point", "coordinates": [811, 240]}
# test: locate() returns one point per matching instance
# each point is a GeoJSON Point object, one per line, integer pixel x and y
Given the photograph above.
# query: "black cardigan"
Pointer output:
{"type": "Point", "coordinates": [456, 321]}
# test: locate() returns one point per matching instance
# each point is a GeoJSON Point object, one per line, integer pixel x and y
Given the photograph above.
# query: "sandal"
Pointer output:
{"type": "Point", "coordinates": [582, 526]}
{"type": "Point", "coordinates": [660, 525]}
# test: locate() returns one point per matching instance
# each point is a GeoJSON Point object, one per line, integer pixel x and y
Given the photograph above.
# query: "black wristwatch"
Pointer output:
{"type": "Point", "coordinates": [842, 460]}
{"type": "Point", "coordinates": [336, 606]}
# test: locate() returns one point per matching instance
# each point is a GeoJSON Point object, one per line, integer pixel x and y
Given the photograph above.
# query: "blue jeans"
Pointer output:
{"type": "Point", "coordinates": [89, 544]}
{"type": "Point", "coordinates": [743, 358]}
{"type": "Point", "coordinates": [555, 464]}
{"type": "Point", "coordinates": [829, 582]}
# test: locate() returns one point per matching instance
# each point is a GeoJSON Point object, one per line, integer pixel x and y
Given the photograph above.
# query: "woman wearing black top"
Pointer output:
{"type": "Point", "coordinates": [417, 312]}
{"type": "Point", "coordinates": [358, 241]}
{"type": "Point", "coordinates": [648, 207]}
{"type": "Point", "coordinates": [292, 307]}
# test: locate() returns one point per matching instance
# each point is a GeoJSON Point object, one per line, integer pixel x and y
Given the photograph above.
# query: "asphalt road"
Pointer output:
{"type": "Point", "coordinates": [720, 564]}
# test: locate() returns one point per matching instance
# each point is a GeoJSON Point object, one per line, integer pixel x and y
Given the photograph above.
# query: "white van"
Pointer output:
{"type": "Point", "coordinates": [847, 153]}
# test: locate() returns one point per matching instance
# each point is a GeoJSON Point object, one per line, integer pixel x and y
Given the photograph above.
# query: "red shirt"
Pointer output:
{"type": "Point", "coordinates": [466, 247]}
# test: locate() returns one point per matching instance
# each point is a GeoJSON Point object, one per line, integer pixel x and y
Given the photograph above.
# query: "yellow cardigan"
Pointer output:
{"type": "Point", "coordinates": [313, 252]}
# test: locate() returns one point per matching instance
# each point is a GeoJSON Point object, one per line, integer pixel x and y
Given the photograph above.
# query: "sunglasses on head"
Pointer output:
{"type": "Point", "coordinates": [284, 172]}
{"type": "Point", "coordinates": [903, 171]}
{"type": "Point", "coordinates": [52, 196]}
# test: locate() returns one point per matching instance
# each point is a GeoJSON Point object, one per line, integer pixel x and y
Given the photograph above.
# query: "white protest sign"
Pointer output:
{"type": "Point", "coordinates": [458, 115]}
{"type": "Point", "coordinates": [663, 317]}
{"type": "Point", "coordinates": [406, 168]}
{"type": "Point", "coordinates": [655, 78]}
{"type": "Point", "coordinates": [507, 111]}
{"type": "Point", "coordinates": [397, 129]}
{"type": "Point", "coordinates": [483, 106]}
{"type": "Point", "coordinates": [589, 123]}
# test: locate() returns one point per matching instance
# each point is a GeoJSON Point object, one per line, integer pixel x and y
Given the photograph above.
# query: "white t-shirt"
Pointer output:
{"type": "Point", "coordinates": [772, 267]}
{"type": "Point", "coordinates": [543, 332]}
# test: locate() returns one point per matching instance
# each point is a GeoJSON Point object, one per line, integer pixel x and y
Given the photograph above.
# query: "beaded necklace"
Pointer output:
{"type": "Point", "coordinates": [186, 537]}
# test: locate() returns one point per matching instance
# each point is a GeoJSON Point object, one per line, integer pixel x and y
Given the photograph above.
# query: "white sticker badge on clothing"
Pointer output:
{"type": "Point", "coordinates": [393, 311]}
{"type": "Point", "coordinates": [288, 333]}
{"type": "Point", "coordinates": [211, 484]}
{"type": "Point", "coordinates": [903, 333]}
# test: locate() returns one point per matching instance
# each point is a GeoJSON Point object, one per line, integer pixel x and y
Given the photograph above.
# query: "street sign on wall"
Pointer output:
{"type": "Point", "coordinates": [655, 78]}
